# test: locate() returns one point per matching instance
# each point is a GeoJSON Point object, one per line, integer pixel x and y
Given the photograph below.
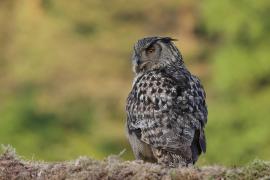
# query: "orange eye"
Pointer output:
{"type": "Point", "coordinates": [150, 50]}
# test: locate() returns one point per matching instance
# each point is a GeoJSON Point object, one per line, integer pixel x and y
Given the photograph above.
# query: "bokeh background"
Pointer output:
{"type": "Point", "coordinates": [65, 72]}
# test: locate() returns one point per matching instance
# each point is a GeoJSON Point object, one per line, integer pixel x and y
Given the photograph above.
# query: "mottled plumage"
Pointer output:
{"type": "Point", "coordinates": [166, 109]}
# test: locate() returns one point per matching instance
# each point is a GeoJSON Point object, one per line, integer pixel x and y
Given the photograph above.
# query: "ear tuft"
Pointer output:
{"type": "Point", "coordinates": [168, 39]}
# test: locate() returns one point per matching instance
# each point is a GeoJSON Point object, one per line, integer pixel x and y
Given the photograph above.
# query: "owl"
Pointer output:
{"type": "Point", "coordinates": [166, 108]}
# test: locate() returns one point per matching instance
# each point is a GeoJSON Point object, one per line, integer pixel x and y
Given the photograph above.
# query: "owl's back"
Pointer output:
{"type": "Point", "coordinates": [166, 117]}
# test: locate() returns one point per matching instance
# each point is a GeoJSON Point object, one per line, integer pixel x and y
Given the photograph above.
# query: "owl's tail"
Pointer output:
{"type": "Point", "coordinates": [171, 159]}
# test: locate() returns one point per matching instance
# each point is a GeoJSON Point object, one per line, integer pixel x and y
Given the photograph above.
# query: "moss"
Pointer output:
{"type": "Point", "coordinates": [255, 170]}
{"type": "Point", "coordinates": [14, 167]}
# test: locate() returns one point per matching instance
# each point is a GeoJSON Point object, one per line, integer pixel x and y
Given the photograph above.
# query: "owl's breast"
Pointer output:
{"type": "Point", "coordinates": [151, 99]}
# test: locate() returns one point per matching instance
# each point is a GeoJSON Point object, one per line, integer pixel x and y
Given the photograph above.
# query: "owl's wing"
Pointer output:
{"type": "Point", "coordinates": [168, 114]}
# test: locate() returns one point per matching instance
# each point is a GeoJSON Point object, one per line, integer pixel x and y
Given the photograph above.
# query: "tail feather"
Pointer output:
{"type": "Point", "coordinates": [171, 159]}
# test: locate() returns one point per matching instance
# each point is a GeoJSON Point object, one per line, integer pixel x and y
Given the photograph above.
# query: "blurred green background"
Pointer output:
{"type": "Point", "coordinates": [65, 72]}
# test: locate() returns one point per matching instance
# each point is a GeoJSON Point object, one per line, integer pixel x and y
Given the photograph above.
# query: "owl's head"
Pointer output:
{"type": "Point", "coordinates": [153, 53]}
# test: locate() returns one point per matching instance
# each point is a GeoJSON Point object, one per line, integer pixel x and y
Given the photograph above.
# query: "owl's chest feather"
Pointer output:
{"type": "Point", "coordinates": [151, 92]}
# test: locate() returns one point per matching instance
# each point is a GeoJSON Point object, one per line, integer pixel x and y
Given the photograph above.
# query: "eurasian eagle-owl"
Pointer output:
{"type": "Point", "coordinates": [166, 109]}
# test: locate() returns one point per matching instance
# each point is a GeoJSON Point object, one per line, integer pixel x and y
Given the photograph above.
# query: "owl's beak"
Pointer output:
{"type": "Point", "coordinates": [137, 59]}
{"type": "Point", "coordinates": [137, 62]}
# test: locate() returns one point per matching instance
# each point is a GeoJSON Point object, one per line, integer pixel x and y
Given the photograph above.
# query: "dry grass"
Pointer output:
{"type": "Point", "coordinates": [14, 167]}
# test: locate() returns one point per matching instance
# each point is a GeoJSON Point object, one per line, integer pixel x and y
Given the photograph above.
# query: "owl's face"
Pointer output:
{"type": "Point", "coordinates": [154, 53]}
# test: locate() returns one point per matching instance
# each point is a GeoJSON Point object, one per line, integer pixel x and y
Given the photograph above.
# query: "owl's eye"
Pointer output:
{"type": "Point", "coordinates": [150, 50]}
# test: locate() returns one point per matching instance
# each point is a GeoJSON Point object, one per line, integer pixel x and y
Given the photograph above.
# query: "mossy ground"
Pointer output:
{"type": "Point", "coordinates": [14, 167]}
